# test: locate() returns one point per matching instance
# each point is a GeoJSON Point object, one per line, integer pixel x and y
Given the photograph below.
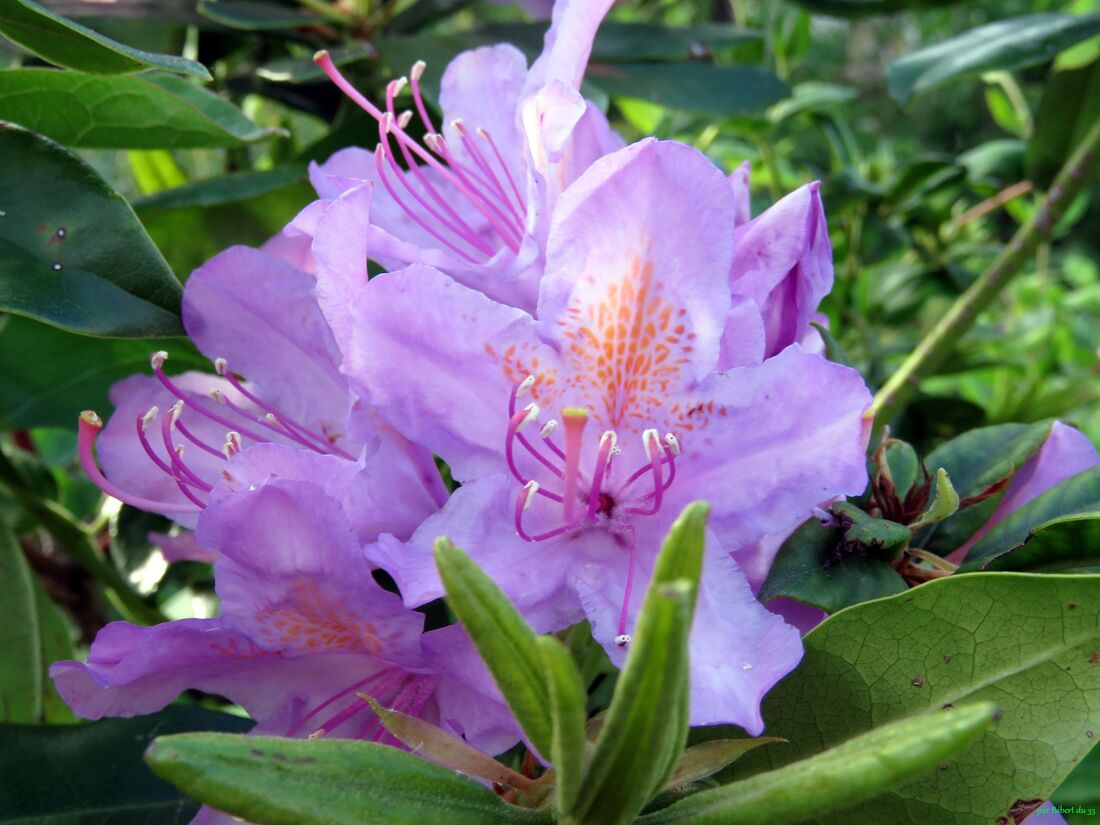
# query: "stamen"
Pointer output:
{"type": "Point", "coordinates": [608, 442]}
{"type": "Point", "coordinates": [514, 432]}
{"type": "Point", "coordinates": [475, 153]}
{"type": "Point", "coordinates": [574, 420]}
{"type": "Point", "coordinates": [525, 386]}
{"type": "Point", "coordinates": [531, 487]}
{"type": "Point", "coordinates": [484, 135]}
{"type": "Point", "coordinates": [654, 452]}
{"type": "Point", "coordinates": [522, 502]}
{"type": "Point", "coordinates": [90, 425]}
{"type": "Point", "coordinates": [232, 444]}
{"type": "Point", "coordinates": [389, 673]}
{"type": "Point", "coordinates": [142, 422]}
{"type": "Point", "coordinates": [623, 638]}
{"type": "Point", "coordinates": [157, 362]}
{"type": "Point", "coordinates": [415, 74]}
{"type": "Point", "coordinates": [548, 428]}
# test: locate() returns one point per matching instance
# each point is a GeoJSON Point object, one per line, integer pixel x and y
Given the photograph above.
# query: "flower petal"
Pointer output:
{"type": "Point", "coordinates": [768, 443]}
{"type": "Point", "coordinates": [784, 262]}
{"type": "Point", "coordinates": [292, 576]}
{"type": "Point", "coordinates": [339, 247]}
{"type": "Point", "coordinates": [468, 353]}
{"type": "Point", "coordinates": [568, 42]}
{"type": "Point", "coordinates": [739, 183]}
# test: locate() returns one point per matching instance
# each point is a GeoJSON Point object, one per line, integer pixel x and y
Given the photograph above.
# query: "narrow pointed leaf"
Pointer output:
{"type": "Point", "coordinates": [943, 505]}
{"type": "Point", "coordinates": [707, 758]}
{"type": "Point", "coordinates": [72, 252]}
{"type": "Point", "coordinates": [62, 42]}
{"type": "Point", "coordinates": [567, 710]}
{"type": "Point", "coordinates": [646, 726]}
{"type": "Point", "coordinates": [277, 781]}
{"type": "Point", "coordinates": [502, 637]}
{"type": "Point", "coordinates": [440, 747]}
{"type": "Point", "coordinates": [839, 778]}
{"type": "Point", "coordinates": [21, 668]}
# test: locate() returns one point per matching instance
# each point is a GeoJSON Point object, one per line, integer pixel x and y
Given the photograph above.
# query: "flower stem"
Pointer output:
{"type": "Point", "coordinates": [74, 539]}
{"type": "Point", "coordinates": [938, 344]}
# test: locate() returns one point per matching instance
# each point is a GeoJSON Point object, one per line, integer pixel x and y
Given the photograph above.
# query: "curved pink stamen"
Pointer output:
{"type": "Point", "coordinates": [603, 461]}
{"type": "Point", "coordinates": [521, 505]}
{"type": "Point", "coordinates": [656, 460]}
{"type": "Point", "coordinates": [629, 585]}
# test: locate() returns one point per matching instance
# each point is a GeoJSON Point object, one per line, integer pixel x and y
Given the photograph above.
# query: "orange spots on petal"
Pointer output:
{"type": "Point", "coordinates": [308, 620]}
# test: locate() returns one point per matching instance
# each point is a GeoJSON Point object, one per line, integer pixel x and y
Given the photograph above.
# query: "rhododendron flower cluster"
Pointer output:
{"type": "Point", "coordinates": [589, 335]}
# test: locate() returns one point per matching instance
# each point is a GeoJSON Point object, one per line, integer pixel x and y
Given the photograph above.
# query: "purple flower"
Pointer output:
{"type": "Point", "coordinates": [1065, 453]}
{"type": "Point", "coordinates": [304, 625]}
{"type": "Point", "coordinates": [640, 340]}
{"type": "Point", "coordinates": [254, 313]}
{"type": "Point", "coordinates": [474, 198]}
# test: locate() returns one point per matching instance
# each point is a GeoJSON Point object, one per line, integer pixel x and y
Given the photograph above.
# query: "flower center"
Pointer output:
{"type": "Point", "coordinates": [593, 500]}
{"type": "Point", "coordinates": [481, 179]}
{"type": "Point", "coordinates": [262, 423]}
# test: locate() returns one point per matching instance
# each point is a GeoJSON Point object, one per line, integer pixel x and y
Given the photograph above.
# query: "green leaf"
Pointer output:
{"type": "Point", "coordinates": [697, 87]}
{"type": "Point", "coordinates": [567, 710]}
{"type": "Point", "coordinates": [945, 503]}
{"type": "Point", "coordinates": [92, 774]}
{"type": "Point", "coordinates": [865, 8]}
{"type": "Point", "coordinates": [833, 350]}
{"type": "Point", "coordinates": [21, 667]}
{"type": "Point", "coordinates": [707, 758]}
{"type": "Point", "coordinates": [222, 189]}
{"type": "Point", "coordinates": [1006, 44]}
{"type": "Point", "coordinates": [1025, 642]}
{"type": "Point", "coordinates": [502, 637]}
{"type": "Point", "coordinates": [1050, 531]}
{"type": "Point", "coordinates": [864, 533]}
{"type": "Point", "coordinates": [839, 778]}
{"type": "Point", "coordinates": [252, 16]}
{"type": "Point", "coordinates": [903, 466]}
{"type": "Point", "coordinates": [72, 252]}
{"type": "Point", "coordinates": [56, 640]}
{"type": "Point", "coordinates": [436, 745]}
{"type": "Point", "coordinates": [975, 461]}
{"type": "Point", "coordinates": [153, 111]}
{"type": "Point", "coordinates": [278, 781]}
{"type": "Point", "coordinates": [51, 392]}
{"type": "Point", "coordinates": [64, 43]}
{"type": "Point", "coordinates": [646, 725]}
{"type": "Point", "coordinates": [1069, 106]}
{"type": "Point", "coordinates": [812, 96]}
{"type": "Point", "coordinates": [809, 569]}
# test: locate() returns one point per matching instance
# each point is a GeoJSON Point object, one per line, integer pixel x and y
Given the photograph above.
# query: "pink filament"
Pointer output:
{"type": "Point", "coordinates": [629, 583]}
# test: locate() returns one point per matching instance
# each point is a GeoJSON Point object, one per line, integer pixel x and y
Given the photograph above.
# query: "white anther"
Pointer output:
{"type": "Point", "coordinates": [524, 386]}
{"type": "Point", "coordinates": [746, 666]}
{"type": "Point", "coordinates": [433, 142]}
{"type": "Point", "coordinates": [150, 416]}
{"type": "Point", "coordinates": [157, 359]}
{"type": "Point", "coordinates": [271, 419]}
{"type": "Point", "coordinates": [623, 640]}
{"type": "Point", "coordinates": [91, 418]}
{"type": "Point", "coordinates": [481, 133]}
{"type": "Point", "coordinates": [387, 122]}
{"type": "Point", "coordinates": [404, 118]}
{"type": "Point", "coordinates": [458, 125]}
{"type": "Point", "coordinates": [673, 443]}
{"type": "Point", "coordinates": [651, 439]}
{"type": "Point", "coordinates": [317, 734]}
{"type": "Point", "coordinates": [221, 366]}
{"type": "Point", "coordinates": [530, 488]}
{"type": "Point", "coordinates": [532, 411]}
{"type": "Point", "coordinates": [179, 450]}
{"type": "Point", "coordinates": [399, 85]}
{"type": "Point", "coordinates": [610, 436]}
{"type": "Point", "coordinates": [417, 70]}
{"type": "Point", "coordinates": [548, 428]}
{"type": "Point", "coordinates": [218, 396]}
{"type": "Point", "coordinates": [232, 444]}
{"type": "Point", "coordinates": [174, 412]}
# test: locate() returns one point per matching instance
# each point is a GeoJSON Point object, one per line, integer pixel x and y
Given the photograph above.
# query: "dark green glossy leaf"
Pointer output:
{"type": "Point", "coordinates": [1025, 642]}
{"type": "Point", "coordinates": [147, 112]}
{"type": "Point", "coordinates": [809, 568]}
{"type": "Point", "coordinates": [21, 668]}
{"type": "Point", "coordinates": [975, 461]}
{"type": "Point", "coordinates": [698, 87]}
{"type": "Point", "coordinates": [223, 189]}
{"type": "Point", "coordinates": [865, 534]}
{"type": "Point", "coordinates": [1051, 531]}
{"type": "Point", "coordinates": [567, 710]}
{"type": "Point", "coordinates": [1005, 44]}
{"type": "Point", "coordinates": [252, 15]}
{"type": "Point", "coordinates": [502, 637]}
{"type": "Point", "coordinates": [55, 635]}
{"type": "Point", "coordinates": [1070, 105]}
{"type": "Point", "coordinates": [37, 391]}
{"type": "Point", "coordinates": [304, 70]}
{"type": "Point", "coordinates": [865, 8]}
{"type": "Point", "coordinates": [904, 466]}
{"type": "Point", "coordinates": [92, 774]}
{"type": "Point", "coordinates": [646, 726]}
{"type": "Point", "coordinates": [833, 350]}
{"type": "Point", "coordinates": [72, 252]}
{"type": "Point", "coordinates": [276, 781]}
{"type": "Point", "coordinates": [839, 778]}
{"type": "Point", "coordinates": [65, 43]}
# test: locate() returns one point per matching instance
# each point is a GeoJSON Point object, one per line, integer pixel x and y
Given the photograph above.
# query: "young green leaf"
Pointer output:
{"type": "Point", "coordinates": [839, 778]}
{"type": "Point", "coordinates": [707, 758]}
{"type": "Point", "coordinates": [945, 503]}
{"type": "Point", "coordinates": [278, 781]}
{"type": "Point", "coordinates": [436, 745]}
{"type": "Point", "coordinates": [63, 238]}
{"type": "Point", "coordinates": [62, 42]}
{"type": "Point", "coordinates": [21, 666]}
{"type": "Point", "coordinates": [502, 637]}
{"type": "Point", "coordinates": [1026, 642]}
{"type": "Point", "coordinates": [567, 710]}
{"type": "Point", "coordinates": [153, 111]}
{"type": "Point", "coordinates": [1005, 44]}
{"type": "Point", "coordinates": [646, 726]}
